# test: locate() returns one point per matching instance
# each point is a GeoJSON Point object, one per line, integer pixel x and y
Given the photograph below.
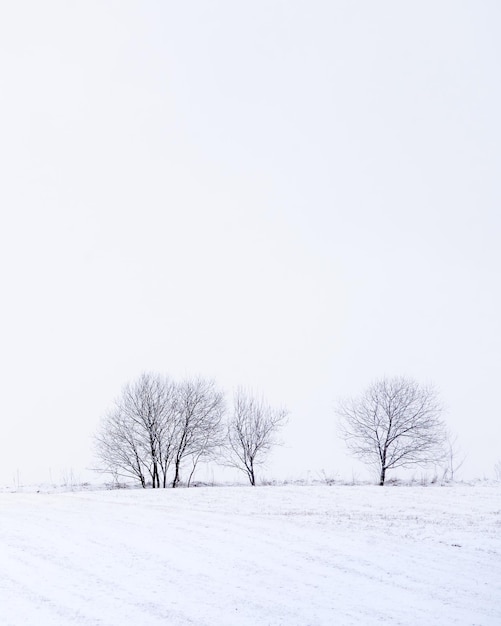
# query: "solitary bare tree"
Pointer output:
{"type": "Point", "coordinates": [252, 432]}
{"type": "Point", "coordinates": [395, 423]}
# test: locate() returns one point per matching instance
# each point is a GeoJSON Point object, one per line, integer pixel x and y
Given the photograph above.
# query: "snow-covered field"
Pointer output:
{"type": "Point", "coordinates": [237, 555]}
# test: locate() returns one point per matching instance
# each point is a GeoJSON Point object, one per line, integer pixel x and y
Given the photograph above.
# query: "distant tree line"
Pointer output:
{"type": "Point", "coordinates": [159, 428]}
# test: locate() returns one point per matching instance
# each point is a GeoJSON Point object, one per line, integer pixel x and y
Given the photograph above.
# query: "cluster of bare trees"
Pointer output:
{"type": "Point", "coordinates": [159, 428]}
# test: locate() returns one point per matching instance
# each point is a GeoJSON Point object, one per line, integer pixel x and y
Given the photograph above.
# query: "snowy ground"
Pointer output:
{"type": "Point", "coordinates": [236, 555]}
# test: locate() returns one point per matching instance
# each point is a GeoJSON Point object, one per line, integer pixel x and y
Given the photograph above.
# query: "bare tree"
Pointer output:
{"type": "Point", "coordinates": [252, 432]}
{"type": "Point", "coordinates": [199, 411]}
{"type": "Point", "coordinates": [136, 438]}
{"type": "Point", "coordinates": [454, 456]}
{"type": "Point", "coordinates": [156, 424]}
{"type": "Point", "coordinates": [497, 470]}
{"type": "Point", "coordinates": [118, 449]}
{"type": "Point", "coordinates": [395, 423]}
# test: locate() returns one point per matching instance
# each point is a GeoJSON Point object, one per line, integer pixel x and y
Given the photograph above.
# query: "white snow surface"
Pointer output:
{"type": "Point", "coordinates": [305, 555]}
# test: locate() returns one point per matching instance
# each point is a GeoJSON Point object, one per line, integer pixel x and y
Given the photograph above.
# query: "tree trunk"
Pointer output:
{"type": "Point", "coordinates": [382, 476]}
{"type": "Point", "coordinates": [155, 479]}
{"type": "Point", "coordinates": [176, 475]}
{"type": "Point", "coordinates": [252, 477]}
{"type": "Point", "coordinates": [191, 475]}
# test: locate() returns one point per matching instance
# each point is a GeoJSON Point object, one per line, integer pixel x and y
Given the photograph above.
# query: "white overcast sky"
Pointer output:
{"type": "Point", "coordinates": [298, 197]}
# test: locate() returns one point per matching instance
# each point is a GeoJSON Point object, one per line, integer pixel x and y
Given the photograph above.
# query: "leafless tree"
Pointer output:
{"type": "Point", "coordinates": [454, 456]}
{"type": "Point", "coordinates": [395, 423]}
{"type": "Point", "coordinates": [497, 470]}
{"type": "Point", "coordinates": [157, 424]}
{"type": "Point", "coordinates": [252, 432]}
{"type": "Point", "coordinates": [199, 411]}
{"type": "Point", "coordinates": [118, 448]}
{"type": "Point", "coordinates": [136, 438]}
